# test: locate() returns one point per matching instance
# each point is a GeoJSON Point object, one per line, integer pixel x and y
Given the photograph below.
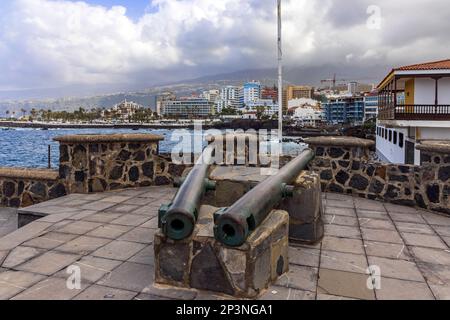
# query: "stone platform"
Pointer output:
{"type": "Point", "coordinates": [201, 262]}
{"type": "Point", "coordinates": [304, 205]}
{"type": "Point", "coordinates": [110, 237]}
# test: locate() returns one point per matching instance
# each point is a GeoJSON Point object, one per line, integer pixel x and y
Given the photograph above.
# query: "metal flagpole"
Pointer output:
{"type": "Point", "coordinates": [280, 77]}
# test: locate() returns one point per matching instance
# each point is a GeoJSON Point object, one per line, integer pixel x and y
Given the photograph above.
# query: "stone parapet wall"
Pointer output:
{"type": "Point", "coordinates": [24, 187]}
{"type": "Point", "coordinates": [345, 167]}
{"type": "Point", "coordinates": [91, 163]}
{"type": "Point", "coordinates": [111, 162]}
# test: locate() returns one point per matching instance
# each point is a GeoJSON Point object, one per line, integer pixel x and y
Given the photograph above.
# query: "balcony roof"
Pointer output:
{"type": "Point", "coordinates": [441, 65]}
{"type": "Point", "coordinates": [436, 65]}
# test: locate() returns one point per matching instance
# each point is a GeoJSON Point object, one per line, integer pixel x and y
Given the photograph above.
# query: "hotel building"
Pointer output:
{"type": "Point", "coordinates": [188, 108]}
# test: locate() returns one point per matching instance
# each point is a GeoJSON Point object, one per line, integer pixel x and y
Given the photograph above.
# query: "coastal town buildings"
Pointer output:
{"type": "Point", "coordinates": [414, 106]}
{"type": "Point", "coordinates": [123, 111]}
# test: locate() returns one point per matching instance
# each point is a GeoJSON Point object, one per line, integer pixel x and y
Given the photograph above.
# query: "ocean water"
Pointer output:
{"type": "Point", "coordinates": [29, 147]}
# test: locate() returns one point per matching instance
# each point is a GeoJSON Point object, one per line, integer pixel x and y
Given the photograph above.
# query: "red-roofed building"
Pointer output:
{"type": "Point", "coordinates": [414, 105]}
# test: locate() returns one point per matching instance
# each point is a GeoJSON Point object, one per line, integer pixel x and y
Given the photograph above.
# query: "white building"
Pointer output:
{"type": "Point", "coordinates": [123, 111]}
{"type": "Point", "coordinates": [165, 96]}
{"type": "Point", "coordinates": [249, 93]}
{"type": "Point", "coordinates": [352, 87]}
{"type": "Point", "coordinates": [228, 98]}
{"type": "Point", "coordinates": [303, 102]}
{"type": "Point", "coordinates": [266, 106]}
{"type": "Point", "coordinates": [306, 112]}
{"type": "Point", "coordinates": [211, 95]}
{"type": "Point", "coordinates": [414, 105]}
{"type": "Point", "coordinates": [370, 105]}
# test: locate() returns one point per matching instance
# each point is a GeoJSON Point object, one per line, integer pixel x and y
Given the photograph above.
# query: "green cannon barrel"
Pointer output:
{"type": "Point", "coordinates": [233, 225]}
{"type": "Point", "coordinates": [177, 220]}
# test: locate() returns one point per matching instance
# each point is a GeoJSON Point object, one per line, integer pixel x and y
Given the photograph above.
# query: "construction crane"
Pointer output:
{"type": "Point", "coordinates": [333, 81]}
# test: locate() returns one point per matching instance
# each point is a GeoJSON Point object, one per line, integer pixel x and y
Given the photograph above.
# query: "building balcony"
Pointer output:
{"type": "Point", "coordinates": [415, 112]}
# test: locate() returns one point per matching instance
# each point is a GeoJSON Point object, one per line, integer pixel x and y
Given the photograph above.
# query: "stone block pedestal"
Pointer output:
{"type": "Point", "coordinates": [304, 207]}
{"type": "Point", "coordinates": [201, 262]}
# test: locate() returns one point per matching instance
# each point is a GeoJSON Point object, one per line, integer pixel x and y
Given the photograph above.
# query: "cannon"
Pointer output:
{"type": "Point", "coordinates": [177, 220]}
{"type": "Point", "coordinates": [233, 225]}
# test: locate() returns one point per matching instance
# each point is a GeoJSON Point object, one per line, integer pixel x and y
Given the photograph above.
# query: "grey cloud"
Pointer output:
{"type": "Point", "coordinates": [48, 44]}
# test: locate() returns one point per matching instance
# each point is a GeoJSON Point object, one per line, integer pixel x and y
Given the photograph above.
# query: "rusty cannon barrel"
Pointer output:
{"type": "Point", "coordinates": [177, 220]}
{"type": "Point", "coordinates": [233, 225]}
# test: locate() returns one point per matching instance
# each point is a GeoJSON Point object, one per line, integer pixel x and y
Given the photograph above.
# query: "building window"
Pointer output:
{"type": "Point", "coordinates": [401, 141]}
{"type": "Point", "coordinates": [390, 135]}
{"type": "Point", "coordinates": [395, 137]}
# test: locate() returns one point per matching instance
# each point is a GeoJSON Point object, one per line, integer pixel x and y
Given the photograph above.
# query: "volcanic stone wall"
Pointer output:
{"type": "Point", "coordinates": [91, 163]}
{"type": "Point", "coordinates": [25, 187]}
{"type": "Point", "coordinates": [344, 167]}
{"type": "Point", "coordinates": [110, 162]}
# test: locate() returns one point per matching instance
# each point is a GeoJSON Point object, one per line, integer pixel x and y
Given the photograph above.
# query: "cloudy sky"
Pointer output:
{"type": "Point", "coordinates": [57, 43]}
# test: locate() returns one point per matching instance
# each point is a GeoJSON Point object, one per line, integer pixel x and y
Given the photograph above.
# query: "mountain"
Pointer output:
{"type": "Point", "coordinates": [72, 95]}
{"type": "Point", "coordinates": [301, 75]}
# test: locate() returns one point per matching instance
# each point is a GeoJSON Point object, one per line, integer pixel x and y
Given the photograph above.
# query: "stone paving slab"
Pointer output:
{"type": "Point", "coordinates": [97, 292]}
{"type": "Point", "coordinates": [20, 255]}
{"type": "Point", "coordinates": [109, 236]}
{"type": "Point", "coordinates": [8, 221]}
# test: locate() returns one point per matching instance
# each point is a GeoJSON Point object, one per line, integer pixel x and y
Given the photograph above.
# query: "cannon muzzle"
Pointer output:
{"type": "Point", "coordinates": [233, 225]}
{"type": "Point", "coordinates": [177, 220]}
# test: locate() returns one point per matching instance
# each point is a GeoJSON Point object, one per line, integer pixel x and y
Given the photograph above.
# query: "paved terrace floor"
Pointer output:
{"type": "Point", "coordinates": [109, 236]}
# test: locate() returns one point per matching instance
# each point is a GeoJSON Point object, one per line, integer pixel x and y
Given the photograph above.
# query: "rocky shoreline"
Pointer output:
{"type": "Point", "coordinates": [244, 125]}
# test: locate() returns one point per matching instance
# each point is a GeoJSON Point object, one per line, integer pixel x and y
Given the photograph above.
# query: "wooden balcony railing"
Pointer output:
{"type": "Point", "coordinates": [415, 112]}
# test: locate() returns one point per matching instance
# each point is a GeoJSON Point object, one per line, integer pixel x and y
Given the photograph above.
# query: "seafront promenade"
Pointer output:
{"type": "Point", "coordinates": [110, 237]}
